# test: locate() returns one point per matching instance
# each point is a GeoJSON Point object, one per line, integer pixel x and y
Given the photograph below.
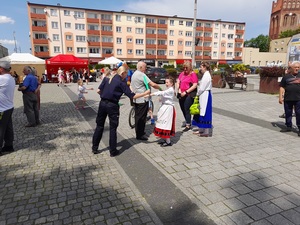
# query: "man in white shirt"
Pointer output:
{"type": "Point", "coordinates": [7, 89]}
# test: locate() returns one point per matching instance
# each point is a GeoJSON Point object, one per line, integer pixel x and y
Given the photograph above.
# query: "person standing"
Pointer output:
{"type": "Point", "coordinates": [111, 90]}
{"type": "Point", "coordinates": [165, 124]}
{"type": "Point", "coordinates": [204, 120]}
{"type": "Point", "coordinates": [30, 98]}
{"type": "Point", "coordinates": [289, 96]}
{"type": "Point", "coordinates": [7, 89]}
{"type": "Point", "coordinates": [186, 85]}
{"type": "Point", "coordinates": [139, 83]}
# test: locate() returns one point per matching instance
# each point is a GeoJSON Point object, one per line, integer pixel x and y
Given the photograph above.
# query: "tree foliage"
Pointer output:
{"type": "Point", "coordinates": [261, 41]}
{"type": "Point", "coordinates": [289, 33]}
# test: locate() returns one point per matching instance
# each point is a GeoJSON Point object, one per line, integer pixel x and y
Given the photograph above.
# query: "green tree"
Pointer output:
{"type": "Point", "coordinates": [261, 41]}
{"type": "Point", "coordinates": [289, 33]}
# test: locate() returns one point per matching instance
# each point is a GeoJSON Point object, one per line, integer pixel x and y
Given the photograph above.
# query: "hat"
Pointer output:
{"type": "Point", "coordinates": [5, 65]}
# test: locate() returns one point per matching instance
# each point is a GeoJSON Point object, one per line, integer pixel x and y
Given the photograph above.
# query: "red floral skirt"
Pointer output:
{"type": "Point", "coordinates": [166, 133]}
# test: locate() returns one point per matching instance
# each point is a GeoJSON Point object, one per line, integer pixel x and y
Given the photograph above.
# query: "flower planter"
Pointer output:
{"type": "Point", "coordinates": [269, 85]}
{"type": "Point", "coordinates": [215, 79]}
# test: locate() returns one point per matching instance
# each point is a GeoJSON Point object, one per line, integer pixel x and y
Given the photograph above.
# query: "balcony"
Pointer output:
{"type": "Point", "coordinates": [161, 57]}
{"type": "Point", "coordinates": [93, 43]}
{"type": "Point", "coordinates": [239, 40]}
{"type": "Point", "coordinates": [198, 57]}
{"type": "Point", "coordinates": [238, 49]}
{"type": "Point", "coordinates": [239, 31]}
{"type": "Point", "coordinates": [107, 44]}
{"type": "Point", "coordinates": [162, 25]}
{"type": "Point", "coordinates": [162, 46]}
{"type": "Point", "coordinates": [40, 41]}
{"type": "Point", "coordinates": [150, 35]}
{"type": "Point", "coordinates": [106, 22]}
{"type": "Point", "coordinates": [42, 54]}
{"type": "Point", "coordinates": [237, 58]}
{"type": "Point", "coordinates": [198, 48]}
{"type": "Point", "coordinates": [151, 46]}
{"type": "Point", "coordinates": [92, 20]}
{"type": "Point", "coordinates": [39, 28]}
{"type": "Point", "coordinates": [106, 33]}
{"type": "Point", "coordinates": [151, 25]}
{"type": "Point", "coordinates": [37, 16]}
{"type": "Point", "coordinates": [208, 29]}
{"type": "Point", "coordinates": [199, 28]}
{"type": "Point", "coordinates": [207, 38]}
{"type": "Point", "coordinates": [162, 36]}
{"type": "Point", "coordinates": [206, 48]}
{"type": "Point", "coordinates": [150, 56]}
{"type": "Point", "coordinates": [206, 57]}
{"type": "Point", "coordinates": [94, 32]}
{"type": "Point", "coordinates": [105, 55]}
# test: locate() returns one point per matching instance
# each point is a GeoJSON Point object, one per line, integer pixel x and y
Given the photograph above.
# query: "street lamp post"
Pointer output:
{"type": "Point", "coordinates": [194, 35]}
{"type": "Point", "coordinates": [60, 27]}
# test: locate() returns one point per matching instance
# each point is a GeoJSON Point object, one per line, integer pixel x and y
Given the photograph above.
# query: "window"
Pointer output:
{"type": "Point", "coordinates": [128, 18]}
{"type": "Point", "coordinates": [53, 12]}
{"type": "Point", "coordinates": [129, 51]}
{"type": "Point", "coordinates": [171, 22]}
{"type": "Point", "coordinates": [207, 34]}
{"type": "Point", "coordinates": [40, 36]}
{"type": "Point", "coordinates": [215, 54]}
{"type": "Point", "coordinates": [129, 40]}
{"type": "Point", "coordinates": [180, 42]}
{"type": "Point", "coordinates": [180, 22]}
{"type": "Point", "coordinates": [106, 17]}
{"type": "Point", "coordinates": [223, 35]}
{"type": "Point", "coordinates": [229, 54]}
{"type": "Point", "coordinates": [129, 29]}
{"type": "Point", "coordinates": [67, 25]}
{"type": "Point", "coordinates": [93, 27]}
{"type": "Point", "coordinates": [56, 49]}
{"type": "Point", "coordinates": [198, 53]}
{"type": "Point", "coordinates": [217, 25]}
{"type": "Point", "coordinates": [79, 26]}
{"type": "Point", "coordinates": [139, 52]}
{"type": "Point", "coordinates": [94, 38]}
{"type": "Point", "coordinates": [160, 31]}
{"type": "Point", "coordinates": [92, 15]}
{"type": "Point", "coordinates": [151, 41]}
{"type": "Point", "coordinates": [150, 52]}
{"type": "Point", "coordinates": [119, 40]}
{"type": "Point", "coordinates": [94, 50]}
{"type": "Point", "coordinates": [39, 48]}
{"type": "Point", "coordinates": [198, 33]}
{"type": "Point", "coordinates": [171, 53]}
{"type": "Point", "coordinates": [239, 27]}
{"type": "Point", "coordinates": [215, 44]}
{"type": "Point", "coordinates": [215, 35]}
{"type": "Point", "coordinates": [188, 33]}
{"type": "Point", "coordinates": [230, 36]}
{"type": "Point", "coordinates": [55, 37]}
{"type": "Point", "coordinates": [188, 53]}
{"type": "Point", "coordinates": [107, 28]}
{"type": "Point", "coordinates": [188, 43]}
{"type": "Point", "coordinates": [107, 39]}
{"type": "Point", "coordinates": [107, 50]}
{"type": "Point", "coordinates": [68, 37]}
{"type": "Point", "coordinates": [81, 50]}
{"type": "Point", "coordinates": [180, 33]}
{"type": "Point", "coordinates": [37, 10]}
{"type": "Point", "coordinates": [119, 51]}
{"type": "Point", "coordinates": [198, 24]}
{"type": "Point", "coordinates": [171, 32]}
{"type": "Point", "coordinates": [138, 19]}
{"type": "Point", "coordinates": [230, 45]}
{"type": "Point", "coordinates": [206, 44]}
{"type": "Point", "coordinates": [189, 23]}
{"type": "Point", "coordinates": [78, 14]}
{"type": "Point", "coordinates": [54, 25]}
{"type": "Point", "coordinates": [151, 31]}
{"type": "Point", "coordinates": [118, 17]}
{"type": "Point", "coordinates": [161, 21]}
{"type": "Point", "coordinates": [67, 13]}
{"type": "Point", "coordinates": [69, 49]}
{"type": "Point", "coordinates": [230, 27]}
{"type": "Point", "coordinates": [179, 52]}
{"type": "Point", "coordinates": [224, 26]}
{"type": "Point", "coordinates": [80, 38]}
{"type": "Point", "coordinates": [118, 29]}
{"type": "Point", "coordinates": [207, 25]}
{"type": "Point", "coordinates": [139, 30]}
{"type": "Point", "coordinates": [171, 43]}
{"type": "Point", "coordinates": [150, 20]}
{"type": "Point", "coordinates": [39, 23]}
{"type": "Point", "coordinates": [139, 41]}
{"type": "Point", "coordinates": [161, 52]}
{"type": "Point", "coordinates": [162, 42]}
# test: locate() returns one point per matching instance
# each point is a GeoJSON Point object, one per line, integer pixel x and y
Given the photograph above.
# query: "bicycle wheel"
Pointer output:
{"type": "Point", "coordinates": [131, 118]}
{"type": "Point", "coordinates": [221, 83]}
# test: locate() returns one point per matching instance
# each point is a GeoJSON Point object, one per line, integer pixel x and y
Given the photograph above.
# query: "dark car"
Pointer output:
{"type": "Point", "coordinates": [157, 74]}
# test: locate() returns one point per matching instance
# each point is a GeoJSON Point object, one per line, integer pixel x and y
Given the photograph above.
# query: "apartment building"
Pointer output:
{"type": "Point", "coordinates": [157, 39]}
{"type": "Point", "coordinates": [284, 16]}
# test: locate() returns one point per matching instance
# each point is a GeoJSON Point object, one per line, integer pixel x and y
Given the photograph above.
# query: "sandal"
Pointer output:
{"type": "Point", "coordinates": [166, 144]}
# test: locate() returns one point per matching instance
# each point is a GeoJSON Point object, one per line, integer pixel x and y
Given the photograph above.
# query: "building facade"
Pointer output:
{"type": "Point", "coordinates": [3, 51]}
{"type": "Point", "coordinates": [284, 16]}
{"type": "Point", "coordinates": [97, 34]}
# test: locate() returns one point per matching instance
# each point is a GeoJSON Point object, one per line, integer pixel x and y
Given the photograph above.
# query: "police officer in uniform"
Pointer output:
{"type": "Point", "coordinates": [111, 90]}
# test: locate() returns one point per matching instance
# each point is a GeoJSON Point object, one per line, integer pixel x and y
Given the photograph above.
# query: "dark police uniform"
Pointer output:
{"type": "Point", "coordinates": [111, 90]}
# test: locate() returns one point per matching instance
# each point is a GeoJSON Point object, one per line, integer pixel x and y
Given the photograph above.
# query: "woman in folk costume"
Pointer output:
{"type": "Point", "coordinates": [204, 120]}
{"type": "Point", "coordinates": [165, 124]}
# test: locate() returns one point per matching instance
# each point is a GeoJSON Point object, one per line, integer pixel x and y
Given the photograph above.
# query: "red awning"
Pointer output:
{"type": "Point", "coordinates": [222, 62]}
{"type": "Point", "coordinates": [62, 59]}
{"type": "Point", "coordinates": [181, 61]}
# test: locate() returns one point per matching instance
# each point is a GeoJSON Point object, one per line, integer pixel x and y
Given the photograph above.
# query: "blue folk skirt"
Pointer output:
{"type": "Point", "coordinates": [206, 120]}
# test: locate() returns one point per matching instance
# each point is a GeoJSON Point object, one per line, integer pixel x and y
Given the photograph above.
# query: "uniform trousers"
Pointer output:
{"type": "Point", "coordinates": [141, 110]}
{"type": "Point", "coordinates": [31, 110]}
{"type": "Point", "coordinates": [288, 109]}
{"type": "Point", "coordinates": [110, 109]}
{"type": "Point", "coordinates": [6, 128]}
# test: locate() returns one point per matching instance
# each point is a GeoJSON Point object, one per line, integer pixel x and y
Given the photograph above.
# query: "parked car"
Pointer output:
{"type": "Point", "coordinates": [157, 74]}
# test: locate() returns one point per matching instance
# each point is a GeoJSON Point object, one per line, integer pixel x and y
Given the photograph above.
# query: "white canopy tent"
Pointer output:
{"type": "Point", "coordinates": [110, 61]}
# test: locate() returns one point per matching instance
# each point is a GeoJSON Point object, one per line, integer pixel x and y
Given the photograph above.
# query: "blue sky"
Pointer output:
{"type": "Point", "coordinates": [255, 13]}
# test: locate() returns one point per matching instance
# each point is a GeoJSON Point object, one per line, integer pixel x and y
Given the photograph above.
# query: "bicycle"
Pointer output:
{"type": "Point", "coordinates": [222, 81]}
{"type": "Point", "coordinates": [131, 118]}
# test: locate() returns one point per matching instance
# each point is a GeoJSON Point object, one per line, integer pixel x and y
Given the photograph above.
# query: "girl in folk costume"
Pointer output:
{"type": "Point", "coordinates": [204, 120]}
{"type": "Point", "coordinates": [165, 124]}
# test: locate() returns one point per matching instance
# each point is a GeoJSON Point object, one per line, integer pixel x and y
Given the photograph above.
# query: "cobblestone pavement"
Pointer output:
{"type": "Point", "coordinates": [247, 173]}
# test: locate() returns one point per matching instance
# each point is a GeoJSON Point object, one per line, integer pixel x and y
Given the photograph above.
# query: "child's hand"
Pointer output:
{"type": "Point", "coordinates": [91, 88]}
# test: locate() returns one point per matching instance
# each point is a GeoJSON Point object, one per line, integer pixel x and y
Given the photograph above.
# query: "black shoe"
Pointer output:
{"type": "Point", "coordinates": [114, 153]}
{"type": "Point", "coordinates": [30, 125]}
{"type": "Point", "coordinates": [161, 142]}
{"type": "Point", "coordinates": [288, 129]}
{"type": "Point", "coordinates": [166, 144]}
{"type": "Point", "coordinates": [186, 129]}
{"type": "Point", "coordinates": [96, 151]}
{"type": "Point", "coordinates": [282, 116]}
{"type": "Point", "coordinates": [143, 138]}
{"type": "Point", "coordinates": [7, 149]}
